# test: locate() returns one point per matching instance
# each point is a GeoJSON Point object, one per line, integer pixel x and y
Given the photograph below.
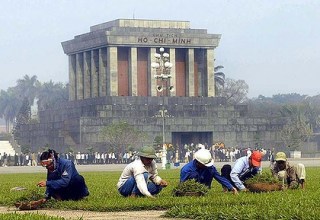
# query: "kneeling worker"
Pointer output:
{"type": "Point", "coordinates": [292, 176]}
{"type": "Point", "coordinates": [202, 170]}
{"type": "Point", "coordinates": [244, 168]}
{"type": "Point", "coordinates": [140, 177]}
{"type": "Point", "coordinates": [63, 180]}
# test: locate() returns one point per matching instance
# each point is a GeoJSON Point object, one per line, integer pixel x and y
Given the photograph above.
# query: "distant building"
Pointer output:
{"type": "Point", "coordinates": [111, 79]}
{"type": "Point", "coordinates": [114, 59]}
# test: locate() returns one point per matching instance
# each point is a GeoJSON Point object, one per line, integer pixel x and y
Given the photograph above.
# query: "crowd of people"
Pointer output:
{"type": "Point", "coordinates": [32, 159]}
{"type": "Point", "coordinates": [175, 154]}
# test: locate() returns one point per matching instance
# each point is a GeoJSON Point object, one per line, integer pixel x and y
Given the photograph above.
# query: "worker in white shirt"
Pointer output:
{"type": "Point", "coordinates": [140, 177]}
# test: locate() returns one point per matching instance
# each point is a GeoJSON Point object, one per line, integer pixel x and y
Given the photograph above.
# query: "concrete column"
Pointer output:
{"type": "Point", "coordinates": [190, 72]}
{"type": "Point", "coordinates": [173, 71]}
{"type": "Point", "coordinates": [210, 72]}
{"type": "Point", "coordinates": [133, 71]}
{"type": "Point", "coordinates": [87, 74]}
{"type": "Point", "coordinates": [72, 77]}
{"type": "Point", "coordinates": [152, 71]}
{"type": "Point", "coordinates": [79, 75]}
{"type": "Point", "coordinates": [112, 70]}
{"type": "Point", "coordinates": [95, 73]}
{"type": "Point", "coordinates": [103, 71]}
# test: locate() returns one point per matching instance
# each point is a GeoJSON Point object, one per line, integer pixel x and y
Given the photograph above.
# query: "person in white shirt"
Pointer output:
{"type": "Point", "coordinates": [140, 177]}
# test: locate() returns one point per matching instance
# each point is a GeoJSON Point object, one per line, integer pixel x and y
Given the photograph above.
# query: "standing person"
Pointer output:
{"type": "Point", "coordinates": [292, 176]}
{"type": "Point", "coordinates": [271, 158]}
{"type": "Point", "coordinates": [63, 180]}
{"type": "Point", "coordinates": [202, 170]}
{"type": "Point", "coordinates": [33, 159]}
{"type": "Point", "coordinates": [140, 177]}
{"type": "Point", "coordinates": [244, 168]}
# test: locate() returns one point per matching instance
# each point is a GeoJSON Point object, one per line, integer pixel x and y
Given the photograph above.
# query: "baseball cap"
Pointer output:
{"type": "Point", "coordinates": [256, 158]}
{"type": "Point", "coordinates": [281, 156]}
{"type": "Point", "coordinates": [148, 152]}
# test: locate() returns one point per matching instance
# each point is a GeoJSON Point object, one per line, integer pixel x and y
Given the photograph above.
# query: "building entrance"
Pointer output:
{"type": "Point", "coordinates": [181, 139]}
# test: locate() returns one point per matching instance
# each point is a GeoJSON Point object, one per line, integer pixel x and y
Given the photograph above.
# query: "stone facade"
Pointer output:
{"type": "Point", "coordinates": [78, 124]}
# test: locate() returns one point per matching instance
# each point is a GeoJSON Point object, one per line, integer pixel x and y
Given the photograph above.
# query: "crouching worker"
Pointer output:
{"type": "Point", "coordinates": [291, 176]}
{"type": "Point", "coordinates": [140, 177]}
{"type": "Point", "coordinates": [63, 180]}
{"type": "Point", "coordinates": [244, 168]}
{"type": "Point", "coordinates": [202, 170]}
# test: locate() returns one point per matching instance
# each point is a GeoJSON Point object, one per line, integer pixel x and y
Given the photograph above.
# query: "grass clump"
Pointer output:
{"type": "Point", "coordinates": [190, 187]}
{"type": "Point", "coordinates": [265, 177]}
{"type": "Point", "coordinates": [30, 195]}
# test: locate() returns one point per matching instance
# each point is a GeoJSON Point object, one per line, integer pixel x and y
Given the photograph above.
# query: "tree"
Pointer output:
{"type": "Point", "coordinates": [235, 91]}
{"type": "Point", "coordinates": [312, 114]}
{"type": "Point", "coordinates": [50, 93]}
{"type": "Point", "coordinates": [9, 106]}
{"type": "Point", "coordinates": [219, 79]}
{"type": "Point", "coordinates": [27, 87]}
{"type": "Point", "coordinates": [23, 117]}
{"type": "Point", "coordinates": [120, 136]}
{"type": "Point", "coordinates": [297, 130]}
{"type": "Point", "coordinates": [295, 133]}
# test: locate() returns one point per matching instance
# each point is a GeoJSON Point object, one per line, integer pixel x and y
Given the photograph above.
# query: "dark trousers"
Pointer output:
{"type": "Point", "coordinates": [130, 187]}
{"type": "Point", "coordinates": [76, 190]}
{"type": "Point", "coordinates": [249, 173]}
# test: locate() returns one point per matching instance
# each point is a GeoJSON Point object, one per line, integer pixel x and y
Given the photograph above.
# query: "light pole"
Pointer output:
{"type": "Point", "coordinates": [163, 66]}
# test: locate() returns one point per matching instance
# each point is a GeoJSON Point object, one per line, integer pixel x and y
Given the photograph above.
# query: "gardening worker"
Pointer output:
{"type": "Point", "coordinates": [292, 176]}
{"type": "Point", "coordinates": [140, 177]}
{"type": "Point", "coordinates": [202, 170]}
{"type": "Point", "coordinates": [244, 168]}
{"type": "Point", "coordinates": [63, 180]}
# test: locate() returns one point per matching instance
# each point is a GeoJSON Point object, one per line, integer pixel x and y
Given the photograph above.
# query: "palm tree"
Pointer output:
{"type": "Point", "coordinates": [27, 88]}
{"type": "Point", "coordinates": [50, 93]}
{"type": "Point", "coordinates": [219, 78]}
{"type": "Point", "coordinates": [9, 107]}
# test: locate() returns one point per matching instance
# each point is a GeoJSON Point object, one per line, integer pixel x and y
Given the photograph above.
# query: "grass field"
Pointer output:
{"type": "Point", "coordinates": [290, 204]}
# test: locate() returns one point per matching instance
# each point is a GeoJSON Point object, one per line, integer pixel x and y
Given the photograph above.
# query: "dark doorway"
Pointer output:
{"type": "Point", "coordinates": [180, 139]}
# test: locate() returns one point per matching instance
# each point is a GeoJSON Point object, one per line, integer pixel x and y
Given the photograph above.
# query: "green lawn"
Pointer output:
{"type": "Point", "coordinates": [290, 204]}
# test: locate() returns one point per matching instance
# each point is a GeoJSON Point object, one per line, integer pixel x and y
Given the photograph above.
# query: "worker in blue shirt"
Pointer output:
{"type": "Point", "coordinates": [63, 180]}
{"type": "Point", "coordinates": [202, 170]}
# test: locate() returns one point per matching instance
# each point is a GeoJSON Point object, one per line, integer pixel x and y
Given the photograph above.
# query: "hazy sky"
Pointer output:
{"type": "Point", "coordinates": [273, 45]}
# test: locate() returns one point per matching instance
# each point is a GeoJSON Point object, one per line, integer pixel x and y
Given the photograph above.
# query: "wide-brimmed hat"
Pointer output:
{"type": "Point", "coordinates": [148, 152]}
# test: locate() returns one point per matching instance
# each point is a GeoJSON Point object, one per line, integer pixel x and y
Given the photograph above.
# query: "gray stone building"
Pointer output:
{"type": "Point", "coordinates": [114, 59]}
{"type": "Point", "coordinates": [111, 79]}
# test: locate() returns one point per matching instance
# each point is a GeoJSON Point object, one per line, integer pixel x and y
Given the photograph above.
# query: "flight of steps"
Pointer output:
{"type": "Point", "coordinates": [6, 147]}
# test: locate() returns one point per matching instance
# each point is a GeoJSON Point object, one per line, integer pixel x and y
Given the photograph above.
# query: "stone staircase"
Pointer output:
{"type": "Point", "coordinates": [6, 147]}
